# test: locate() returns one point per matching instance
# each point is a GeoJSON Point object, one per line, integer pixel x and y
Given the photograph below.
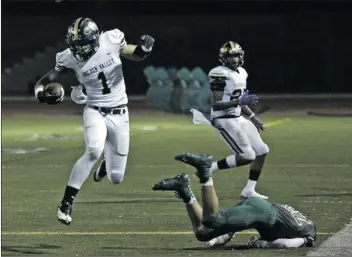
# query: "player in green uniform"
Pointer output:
{"type": "Point", "coordinates": [278, 225]}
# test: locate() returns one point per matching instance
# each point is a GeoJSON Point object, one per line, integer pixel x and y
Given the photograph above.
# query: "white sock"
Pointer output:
{"type": "Point", "coordinates": [289, 243]}
{"type": "Point", "coordinates": [192, 200]}
{"type": "Point", "coordinates": [250, 185]}
{"type": "Point", "coordinates": [208, 183]}
{"type": "Point", "coordinates": [231, 161]}
{"type": "Point", "coordinates": [214, 167]}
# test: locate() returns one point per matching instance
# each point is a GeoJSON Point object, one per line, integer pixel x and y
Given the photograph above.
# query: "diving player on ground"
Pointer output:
{"type": "Point", "coordinates": [278, 225]}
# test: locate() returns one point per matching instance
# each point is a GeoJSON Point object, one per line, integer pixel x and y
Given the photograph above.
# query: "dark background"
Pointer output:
{"type": "Point", "coordinates": [291, 47]}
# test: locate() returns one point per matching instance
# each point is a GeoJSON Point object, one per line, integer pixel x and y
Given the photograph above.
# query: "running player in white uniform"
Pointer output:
{"type": "Point", "coordinates": [229, 100]}
{"type": "Point", "coordinates": [95, 59]}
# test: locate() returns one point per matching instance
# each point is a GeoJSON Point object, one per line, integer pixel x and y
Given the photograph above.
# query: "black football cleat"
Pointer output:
{"type": "Point", "coordinates": [180, 184]}
{"type": "Point", "coordinates": [309, 241]}
{"type": "Point", "coordinates": [100, 173]}
{"type": "Point", "coordinates": [201, 162]}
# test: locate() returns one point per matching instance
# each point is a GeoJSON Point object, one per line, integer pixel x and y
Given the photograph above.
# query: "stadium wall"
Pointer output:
{"type": "Point", "coordinates": [290, 47]}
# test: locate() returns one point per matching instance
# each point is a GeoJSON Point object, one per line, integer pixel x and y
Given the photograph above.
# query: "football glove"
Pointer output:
{"type": "Point", "coordinates": [256, 121]}
{"type": "Point", "coordinates": [247, 99]}
{"type": "Point", "coordinates": [147, 43]}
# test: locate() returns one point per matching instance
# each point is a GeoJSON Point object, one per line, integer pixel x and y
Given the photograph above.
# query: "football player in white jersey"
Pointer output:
{"type": "Point", "coordinates": [94, 56]}
{"type": "Point", "coordinates": [229, 101]}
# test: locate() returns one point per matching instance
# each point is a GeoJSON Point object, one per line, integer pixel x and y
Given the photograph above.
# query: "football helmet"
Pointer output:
{"type": "Point", "coordinates": [231, 55]}
{"type": "Point", "coordinates": [82, 38]}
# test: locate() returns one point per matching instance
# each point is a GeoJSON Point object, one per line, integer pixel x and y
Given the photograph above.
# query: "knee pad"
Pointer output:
{"type": "Point", "coordinates": [264, 149]}
{"type": "Point", "coordinates": [116, 178]}
{"type": "Point", "coordinates": [94, 154]}
{"type": "Point", "coordinates": [248, 154]}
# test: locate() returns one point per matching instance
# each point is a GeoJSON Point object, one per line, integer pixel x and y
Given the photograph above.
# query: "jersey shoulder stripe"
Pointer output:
{"type": "Point", "coordinates": [220, 72]}
{"type": "Point", "coordinates": [217, 78]}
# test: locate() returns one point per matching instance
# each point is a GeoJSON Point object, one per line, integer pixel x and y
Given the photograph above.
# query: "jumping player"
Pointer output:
{"type": "Point", "coordinates": [94, 56]}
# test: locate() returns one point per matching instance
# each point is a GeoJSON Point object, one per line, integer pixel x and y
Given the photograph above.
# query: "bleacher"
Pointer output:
{"type": "Point", "coordinates": [177, 90]}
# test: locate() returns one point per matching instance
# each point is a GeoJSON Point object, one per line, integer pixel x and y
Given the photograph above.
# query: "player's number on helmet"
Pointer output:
{"type": "Point", "coordinates": [106, 90]}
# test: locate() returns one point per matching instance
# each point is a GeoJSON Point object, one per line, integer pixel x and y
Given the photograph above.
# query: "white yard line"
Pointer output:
{"type": "Point", "coordinates": [329, 202]}
{"type": "Point", "coordinates": [139, 166]}
{"type": "Point", "coordinates": [337, 245]}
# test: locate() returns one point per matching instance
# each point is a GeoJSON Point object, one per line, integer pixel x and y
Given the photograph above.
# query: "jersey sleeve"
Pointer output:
{"type": "Point", "coordinates": [217, 79]}
{"type": "Point", "coordinates": [244, 72]}
{"type": "Point", "coordinates": [63, 61]}
{"type": "Point", "coordinates": [117, 37]}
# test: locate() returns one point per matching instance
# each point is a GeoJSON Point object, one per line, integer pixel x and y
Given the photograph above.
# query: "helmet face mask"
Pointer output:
{"type": "Point", "coordinates": [83, 38]}
{"type": "Point", "coordinates": [231, 55]}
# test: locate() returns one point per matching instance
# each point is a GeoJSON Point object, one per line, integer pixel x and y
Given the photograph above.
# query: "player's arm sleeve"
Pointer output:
{"type": "Point", "coordinates": [135, 52]}
{"type": "Point", "coordinates": [117, 38]}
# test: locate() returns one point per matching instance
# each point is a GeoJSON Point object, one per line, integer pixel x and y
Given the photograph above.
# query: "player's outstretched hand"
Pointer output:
{"type": "Point", "coordinates": [147, 43]}
{"type": "Point", "coordinates": [247, 99]}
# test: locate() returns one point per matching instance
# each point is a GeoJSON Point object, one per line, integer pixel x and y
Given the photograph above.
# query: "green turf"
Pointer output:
{"type": "Point", "coordinates": [308, 168]}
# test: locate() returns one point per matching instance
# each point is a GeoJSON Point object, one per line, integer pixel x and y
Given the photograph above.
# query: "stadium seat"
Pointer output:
{"type": "Point", "coordinates": [200, 75]}
{"type": "Point", "coordinates": [159, 92]}
{"type": "Point", "coordinates": [149, 71]}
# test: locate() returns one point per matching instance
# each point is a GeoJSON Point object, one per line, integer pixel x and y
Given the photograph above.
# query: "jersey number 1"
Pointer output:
{"type": "Point", "coordinates": [102, 77]}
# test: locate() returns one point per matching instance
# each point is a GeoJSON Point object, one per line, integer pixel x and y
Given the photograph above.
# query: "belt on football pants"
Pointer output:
{"type": "Point", "coordinates": [121, 109]}
{"type": "Point", "coordinates": [227, 116]}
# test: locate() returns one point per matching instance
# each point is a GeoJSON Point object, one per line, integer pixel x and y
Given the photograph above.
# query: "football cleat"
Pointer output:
{"type": "Point", "coordinates": [309, 241]}
{"type": "Point", "coordinates": [180, 184]}
{"type": "Point", "coordinates": [221, 240]}
{"type": "Point", "coordinates": [252, 194]}
{"type": "Point", "coordinates": [256, 242]}
{"type": "Point", "coordinates": [100, 173]}
{"type": "Point", "coordinates": [64, 212]}
{"type": "Point", "coordinates": [201, 162]}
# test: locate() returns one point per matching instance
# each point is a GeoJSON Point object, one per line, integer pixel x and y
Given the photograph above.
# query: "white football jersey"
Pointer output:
{"type": "Point", "coordinates": [101, 75]}
{"type": "Point", "coordinates": [236, 83]}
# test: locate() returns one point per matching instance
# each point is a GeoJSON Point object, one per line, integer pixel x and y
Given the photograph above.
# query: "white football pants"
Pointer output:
{"type": "Point", "coordinates": [103, 132]}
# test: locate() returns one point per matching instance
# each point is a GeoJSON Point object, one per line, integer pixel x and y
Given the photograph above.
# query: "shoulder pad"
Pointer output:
{"type": "Point", "coordinates": [116, 36]}
{"type": "Point", "coordinates": [217, 79]}
{"type": "Point", "coordinates": [64, 59]}
{"type": "Point", "coordinates": [219, 72]}
{"type": "Point", "coordinates": [243, 70]}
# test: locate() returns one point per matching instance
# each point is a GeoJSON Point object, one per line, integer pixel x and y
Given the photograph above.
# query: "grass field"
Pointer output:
{"type": "Point", "coordinates": [309, 167]}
